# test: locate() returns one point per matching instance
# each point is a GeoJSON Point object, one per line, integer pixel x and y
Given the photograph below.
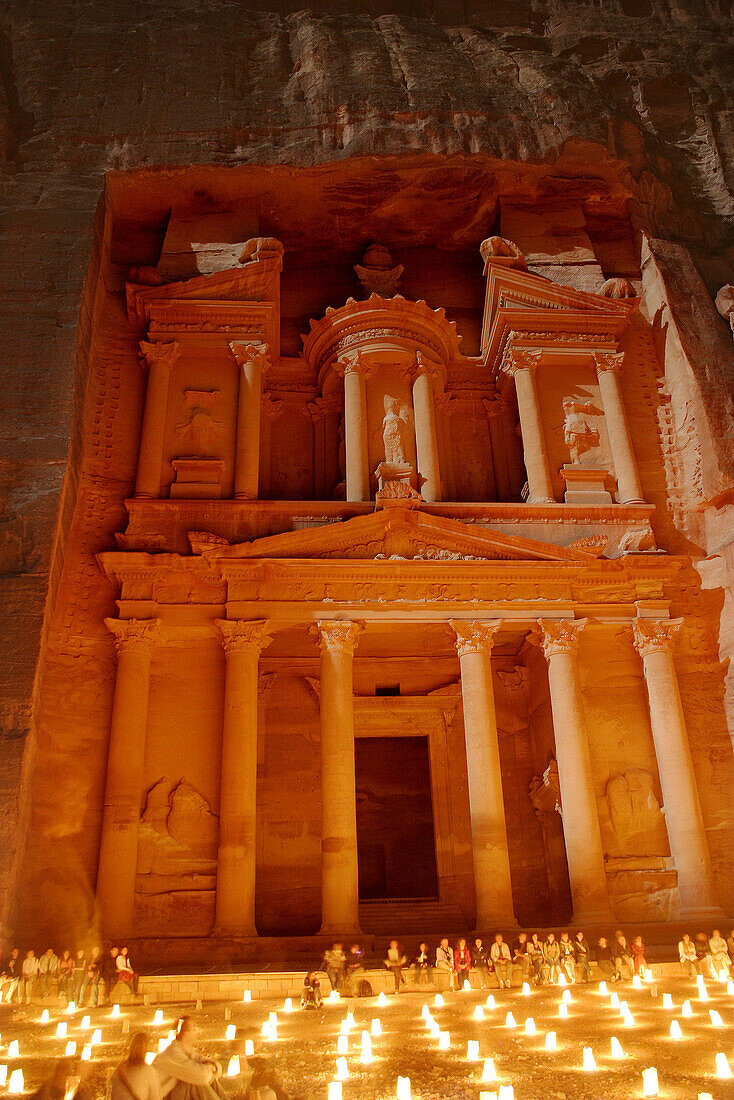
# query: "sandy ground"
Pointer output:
{"type": "Point", "coordinates": [304, 1055]}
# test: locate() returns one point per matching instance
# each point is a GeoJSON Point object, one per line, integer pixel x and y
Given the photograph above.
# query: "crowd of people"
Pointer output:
{"type": "Point", "coordinates": [83, 977]}
{"type": "Point", "coordinates": [526, 959]}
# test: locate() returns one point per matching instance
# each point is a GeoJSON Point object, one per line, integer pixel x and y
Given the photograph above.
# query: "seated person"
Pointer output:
{"type": "Point", "coordinates": [185, 1074]}
{"type": "Point", "coordinates": [134, 1079]}
{"type": "Point", "coordinates": [311, 992]}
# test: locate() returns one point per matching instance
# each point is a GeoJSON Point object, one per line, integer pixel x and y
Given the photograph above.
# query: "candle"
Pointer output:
{"type": "Point", "coordinates": [509, 1020]}
{"type": "Point", "coordinates": [729, 990]}
{"type": "Point", "coordinates": [636, 983]}
{"type": "Point", "coordinates": [335, 1090]}
{"type": "Point", "coordinates": [96, 1037]}
{"type": "Point", "coordinates": [342, 1070]}
{"type": "Point", "coordinates": [44, 1016]}
{"type": "Point", "coordinates": [562, 979]}
{"type": "Point", "coordinates": [402, 1092]}
{"type": "Point", "coordinates": [722, 1066]}
{"type": "Point", "coordinates": [675, 1031]}
{"type": "Point", "coordinates": [603, 988]}
{"type": "Point", "coordinates": [158, 1018]}
{"type": "Point", "coordinates": [344, 1028]}
{"type": "Point", "coordinates": [349, 1019]}
{"type": "Point", "coordinates": [530, 1026]}
{"type": "Point", "coordinates": [233, 1066]}
{"type": "Point", "coordinates": [366, 1053]}
{"type": "Point", "coordinates": [685, 1009]}
{"type": "Point", "coordinates": [288, 1004]}
{"type": "Point", "coordinates": [438, 1001]}
{"type": "Point", "coordinates": [230, 1032]}
{"type": "Point", "coordinates": [61, 1029]}
{"type": "Point", "coordinates": [376, 1027]}
{"type": "Point", "coordinates": [616, 1046]}
{"type": "Point", "coordinates": [472, 1051]}
{"type": "Point", "coordinates": [588, 1060]}
{"type": "Point", "coordinates": [705, 1096]}
{"type": "Point", "coordinates": [342, 1044]}
{"type": "Point", "coordinates": [273, 1018]}
{"type": "Point", "coordinates": [249, 1048]}
{"type": "Point", "coordinates": [13, 1049]}
{"type": "Point", "coordinates": [478, 1012]}
{"type": "Point", "coordinates": [444, 1040]}
{"type": "Point", "coordinates": [171, 1035]}
{"type": "Point", "coordinates": [487, 1096]}
{"type": "Point", "coordinates": [87, 1053]}
{"type": "Point", "coordinates": [382, 1000]}
{"type": "Point", "coordinates": [115, 1012]}
{"type": "Point", "coordinates": [525, 989]}
{"type": "Point", "coordinates": [506, 1092]}
{"type": "Point", "coordinates": [490, 1001]}
{"type": "Point", "coordinates": [227, 1012]}
{"type": "Point", "coordinates": [550, 1040]}
{"type": "Point", "coordinates": [162, 1044]}
{"type": "Point", "coordinates": [70, 1008]}
{"type": "Point", "coordinates": [16, 1083]}
{"type": "Point", "coordinates": [247, 995]}
{"type": "Point", "coordinates": [716, 1020]}
{"type": "Point", "coordinates": [466, 986]}
{"type": "Point", "coordinates": [650, 1082]}
{"type": "Point", "coordinates": [667, 1001]}
{"type": "Point", "coordinates": [70, 1049]}
{"type": "Point", "coordinates": [3, 1076]}
{"type": "Point", "coordinates": [647, 974]}
{"type": "Point", "coordinates": [435, 1030]}
{"type": "Point", "coordinates": [623, 1008]}
{"type": "Point", "coordinates": [629, 1020]}
{"type": "Point", "coordinates": [566, 996]}
{"type": "Point", "coordinates": [563, 1010]}
{"type": "Point", "coordinates": [425, 1011]}
{"type": "Point", "coordinates": [149, 1058]}
{"type": "Point", "coordinates": [489, 1073]}
{"type": "Point", "coordinates": [614, 1000]}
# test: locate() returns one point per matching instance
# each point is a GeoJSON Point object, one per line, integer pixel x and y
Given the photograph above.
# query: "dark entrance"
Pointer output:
{"type": "Point", "coordinates": [397, 854]}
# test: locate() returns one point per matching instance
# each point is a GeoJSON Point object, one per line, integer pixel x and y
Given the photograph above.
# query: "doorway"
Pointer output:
{"type": "Point", "coordinates": [395, 839]}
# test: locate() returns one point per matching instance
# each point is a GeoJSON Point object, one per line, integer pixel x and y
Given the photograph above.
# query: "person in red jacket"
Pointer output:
{"type": "Point", "coordinates": [462, 963]}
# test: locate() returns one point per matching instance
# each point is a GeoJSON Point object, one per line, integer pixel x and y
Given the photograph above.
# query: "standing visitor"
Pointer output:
{"type": "Point", "coordinates": [334, 963]}
{"type": "Point", "coordinates": [568, 958]}
{"type": "Point", "coordinates": [395, 962]}
{"type": "Point", "coordinates": [551, 959]}
{"type": "Point", "coordinates": [581, 956]}
{"type": "Point", "coordinates": [521, 956]}
{"type": "Point", "coordinates": [66, 969]}
{"type": "Point", "coordinates": [29, 974]}
{"type": "Point", "coordinates": [502, 961]}
{"type": "Point", "coordinates": [638, 955]}
{"type": "Point", "coordinates": [311, 992]}
{"type": "Point", "coordinates": [10, 978]}
{"type": "Point", "coordinates": [422, 965]}
{"type": "Point", "coordinates": [535, 954]}
{"type": "Point", "coordinates": [77, 976]}
{"type": "Point", "coordinates": [92, 977]}
{"type": "Point", "coordinates": [125, 972]}
{"type": "Point", "coordinates": [108, 971]}
{"type": "Point", "coordinates": [481, 962]}
{"type": "Point", "coordinates": [622, 954]}
{"type": "Point", "coordinates": [688, 957]}
{"type": "Point", "coordinates": [719, 953]}
{"type": "Point", "coordinates": [462, 963]}
{"type": "Point", "coordinates": [134, 1079]}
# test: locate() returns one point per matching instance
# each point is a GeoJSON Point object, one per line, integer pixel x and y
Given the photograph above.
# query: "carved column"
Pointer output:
{"type": "Point", "coordinates": [653, 641]}
{"type": "Point", "coordinates": [158, 359]}
{"type": "Point", "coordinates": [243, 641]}
{"type": "Point", "coordinates": [339, 868]}
{"type": "Point", "coordinates": [118, 852]}
{"type": "Point", "coordinates": [356, 440]}
{"type": "Point", "coordinates": [426, 435]}
{"type": "Point", "coordinates": [522, 366]}
{"type": "Point", "coordinates": [270, 410]}
{"type": "Point", "coordinates": [608, 365]}
{"type": "Point", "coordinates": [486, 804]}
{"type": "Point", "coordinates": [582, 835]}
{"type": "Point", "coordinates": [253, 361]}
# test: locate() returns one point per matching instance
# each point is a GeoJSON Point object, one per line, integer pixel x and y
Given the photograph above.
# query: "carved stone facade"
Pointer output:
{"type": "Point", "coordinates": [387, 536]}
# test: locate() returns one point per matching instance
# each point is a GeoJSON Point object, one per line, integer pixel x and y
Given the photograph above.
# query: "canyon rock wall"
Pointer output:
{"type": "Point", "coordinates": [552, 96]}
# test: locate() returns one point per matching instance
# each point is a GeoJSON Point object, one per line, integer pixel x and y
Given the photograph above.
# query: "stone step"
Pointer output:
{"type": "Point", "coordinates": [399, 916]}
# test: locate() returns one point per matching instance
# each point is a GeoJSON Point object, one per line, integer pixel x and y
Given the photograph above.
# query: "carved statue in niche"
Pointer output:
{"type": "Point", "coordinates": [177, 840]}
{"type": "Point", "coordinates": [635, 825]}
{"type": "Point", "coordinates": [199, 432]}
{"type": "Point", "coordinates": [545, 791]}
{"type": "Point", "coordinates": [395, 421]}
{"type": "Point", "coordinates": [578, 435]}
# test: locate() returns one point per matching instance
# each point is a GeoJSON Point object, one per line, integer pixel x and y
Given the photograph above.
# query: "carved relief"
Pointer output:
{"type": "Point", "coordinates": [545, 791]}
{"type": "Point", "coordinates": [395, 422]}
{"type": "Point", "coordinates": [634, 824]}
{"type": "Point", "coordinates": [177, 840]}
{"type": "Point", "coordinates": [199, 432]}
{"type": "Point", "coordinates": [376, 273]}
{"type": "Point", "coordinates": [578, 435]}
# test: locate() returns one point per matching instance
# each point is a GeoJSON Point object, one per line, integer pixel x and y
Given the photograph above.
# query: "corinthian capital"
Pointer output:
{"type": "Point", "coordinates": [420, 366]}
{"type": "Point", "coordinates": [161, 355]}
{"type": "Point", "coordinates": [244, 635]}
{"type": "Point", "coordinates": [352, 364]}
{"type": "Point", "coordinates": [337, 635]}
{"type": "Point", "coordinates": [134, 635]}
{"type": "Point", "coordinates": [474, 637]}
{"type": "Point", "coordinates": [608, 360]}
{"type": "Point", "coordinates": [654, 635]}
{"type": "Point", "coordinates": [245, 355]}
{"type": "Point", "coordinates": [523, 359]}
{"type": "Point", "coordinates": [560, 635]}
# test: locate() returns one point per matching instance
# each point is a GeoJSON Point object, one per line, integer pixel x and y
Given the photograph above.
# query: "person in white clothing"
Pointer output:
{"type": "Point", "coordinates": [125, 972]}
{"type": "Point", "coordinates": [501, 956]}
{"type": "Point", "coordinates": [134, 1079]}
{"type": "Point", "coordinates": [444, 956]}
{"type": "Point", "coordinates": [184, 1073]}
{"type": "Point", "coordinates": [688, 957]}
{"type": "Point", "coordinates": [719, 954]}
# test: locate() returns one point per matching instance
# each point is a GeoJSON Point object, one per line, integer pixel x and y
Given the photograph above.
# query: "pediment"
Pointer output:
{"type": "Point", "coordinates": [395, 534]}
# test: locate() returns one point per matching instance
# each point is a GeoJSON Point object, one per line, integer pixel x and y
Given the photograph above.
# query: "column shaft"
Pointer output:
{"type": "Point", "coordinates": [492, 881]}
{"type": "Point", "coordinates": [235, 903]}
{"type": "Point", "coordinates": [355, 433]}
{"type": "Point", "coordinates": [339, 866]}
{"type": "Point", "coordinates": [681, 804]}
{"type": "Point", "coordinates": [118, 853]}
{"type": "Point", "coordinates": [159, 359]}
{"type": "Point", "coordinates": [620, 439]}
{"type": "Point", "coordinates": [581, 831]}
{"type": "Point", "coordinates": [426, 435]}
{"type": "Point", "coordinates": [252, 361]}
{"type": "Point", "coordinates": [535, 451]}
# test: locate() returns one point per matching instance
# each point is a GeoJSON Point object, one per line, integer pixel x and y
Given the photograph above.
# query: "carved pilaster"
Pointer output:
{"type": "Point", "coordinates": [159, 360]}
{"type": "Point", "coordinates": [608, 366]}
{"type": "Point", "coordinates": [253, 361]}
{"type": "Point", "coordinates": [134, 635]}
{"type": "Point", "coordinates": [244, 635]}
{"type": "Point", "coordinates": [474, 637]}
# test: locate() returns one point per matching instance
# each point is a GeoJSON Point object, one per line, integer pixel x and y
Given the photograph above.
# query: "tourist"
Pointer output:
{"type": "Point", "coordinates": [481, 961]}
{"type": "Point", "coordinates": [688, 957]}
{"type": "Point", "coordinates": [502, 961]}
{"type": "Point", "coordinates": [311, 992]}
{"type": "Point", "coordinates": [622, 954]}
{"type": "Point", "coordinates": [535, 954]}
{"type": "Point", "coordinates": [730, 946]}
{"type": "Point", "coordinates": [703, 954]}
{"type": "Point", "coordinates": [334, 963]}
{"type": "Point", "coordinates": [48, 968]}
{"type": "Point", "coordinates": [353, 968]}
{"type": "Point", "coordinates": [462, 963]}
{"type": "Point", "coordinates": [108, 971]}
{"type": "Point", "coordinates": [92, 977]}
{"type": "Point", "coordinates": [125, 972]}
{"type": "Point", "coordinates": [445, 959]}
{"type": "Point", "coordinates": [58, 1084]}
{"type": "Point", "coordinates": [77, 976]}
{"type": "Point", "coordinates": [28, 976]}
{"type": "Point", "coordinates": [134, 1078]}
{"type": "Point", "coordinates": [10, 978]}
{"type": "Point", "coordinates": [66, 969]}
{"type": "Point", "coordinates": [521, 956]}
{"type": "Point", "coordinates": [581, 956]}
{"type": "Point", "coordinates": [395, 962]}
{"type": "Point", "coordinates": [638, 955]}
{"type": "Point", "coordinates": [567, 958]}
{"type": "Point", "coordinates": [185, 1074]}
{"type": "Point", "coordinates": [719, 954]}
{"type": "Point", "coordinates": [604, 959]}
{"type": "Point", "coordinates": [551, 959]}
{"type": "Point", "coordinates": [422, 969]}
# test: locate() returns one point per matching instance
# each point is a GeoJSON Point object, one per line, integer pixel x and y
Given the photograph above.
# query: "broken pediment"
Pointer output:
{"type": "Point", "coordinates": [395, 534]}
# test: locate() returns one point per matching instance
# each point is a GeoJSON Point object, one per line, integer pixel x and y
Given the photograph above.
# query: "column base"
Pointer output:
{"type": "Point", "coordinates": [496, 922]}
{"type": "Point", "coordinates": [703, 914]}
{"type": "Point", "coordinates": [240, 933]}
{"type": "Point", "coordinates": [340, 932]}
{"type": "Point", "coordinates": [541, 500]}
{"type": "Point", "coordinates": [245, 496]}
